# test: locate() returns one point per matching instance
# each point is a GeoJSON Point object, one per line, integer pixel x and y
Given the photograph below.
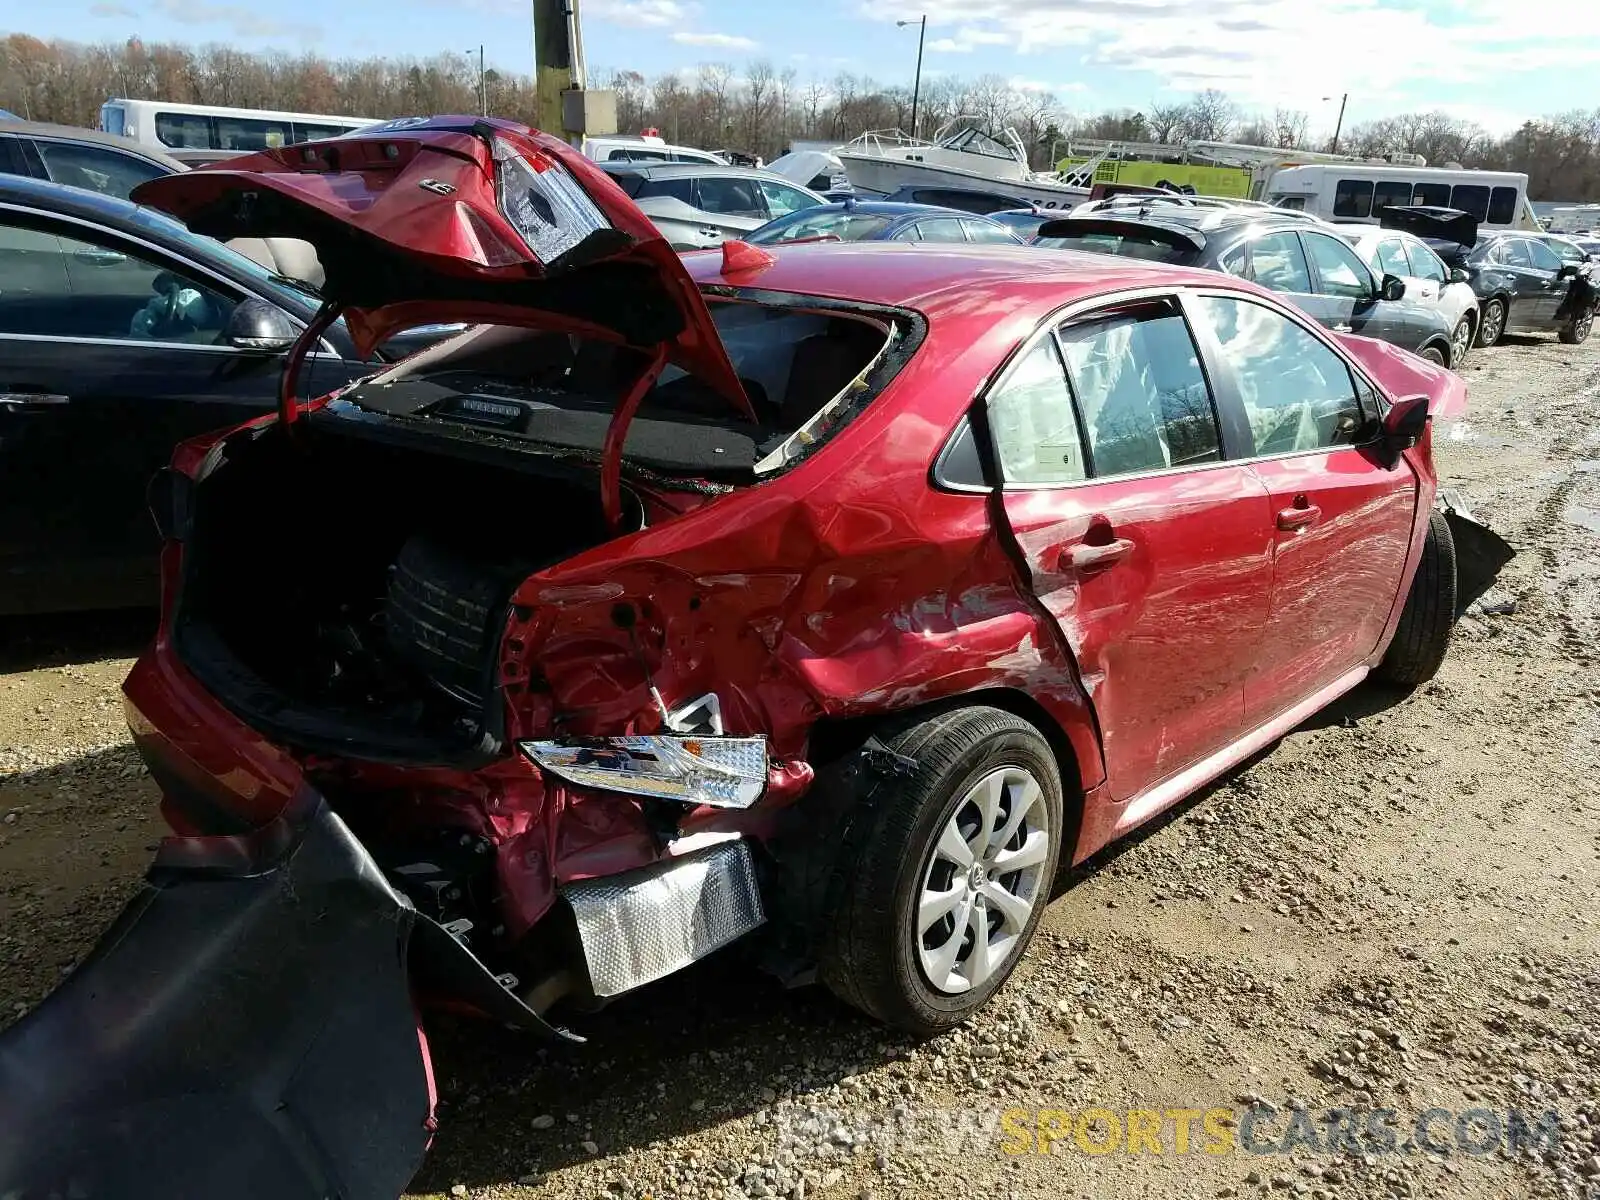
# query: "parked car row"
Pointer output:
{"type": "Point", "coordinates": [830, 596]}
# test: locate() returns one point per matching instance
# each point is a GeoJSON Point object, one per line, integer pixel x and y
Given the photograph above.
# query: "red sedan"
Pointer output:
{"type": "Point", "coordinates": [836, 596]}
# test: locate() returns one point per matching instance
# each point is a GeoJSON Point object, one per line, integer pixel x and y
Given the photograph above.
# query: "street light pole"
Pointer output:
{"type": "Point", "coordinates": [916, 86]}
{"type": "Point", "coordinates": [1338, 127]}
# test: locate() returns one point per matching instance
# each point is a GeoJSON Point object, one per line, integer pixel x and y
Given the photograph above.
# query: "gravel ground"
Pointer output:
{"type": "Point", "coordinates": [1393, 909]}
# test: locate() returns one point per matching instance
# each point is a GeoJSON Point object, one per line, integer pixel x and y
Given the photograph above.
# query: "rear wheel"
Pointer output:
{"type": "Point", "coordinates": [952, 872]}
{"type": "Point", "coordinates": [1577, 330]}
{"type": "Point", "coordinates": [1494, 322]}
{"type": "Point", "coordinates": [1460, 343]}
{"type": "Point", "coordinates": [1426, 622]}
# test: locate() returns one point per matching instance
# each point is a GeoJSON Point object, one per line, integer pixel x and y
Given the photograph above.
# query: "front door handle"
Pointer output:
{"type": "Point", "coordinates": [1084, 557]}
{"type": "Point", "coordinates": [1342, 328]}
{"type": "Point", "coordinates": [18, 402]}
{"type": "Point", "coordinates": [1301, 516]}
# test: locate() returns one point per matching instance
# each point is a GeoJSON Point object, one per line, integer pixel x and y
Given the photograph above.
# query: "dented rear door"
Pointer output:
{"type": "Point", "coordinates": [1151, 553]}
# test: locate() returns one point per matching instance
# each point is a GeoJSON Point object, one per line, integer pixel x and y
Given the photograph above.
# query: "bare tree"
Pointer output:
{"type": "Point", "coordinates": [760, 89]}
{"type": "Point", "coordinates": [1167, 122]}
{"type": "Point", "coordinates": [1210, 117]}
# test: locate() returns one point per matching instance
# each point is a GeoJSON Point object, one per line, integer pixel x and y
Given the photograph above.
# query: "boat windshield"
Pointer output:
{"type": "Point", "coordinates": [976, 141]}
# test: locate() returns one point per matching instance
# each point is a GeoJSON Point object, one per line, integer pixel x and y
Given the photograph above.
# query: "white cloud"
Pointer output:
{"type": "Point", "coordinates": [1289, 52]}
{"type": "Point", "coordinates": [111, 10]}
{"type": "Point", "coordinates": [717, 41]}
{"type": "Point", "coordinates": [244, 21]}
{"type": "Point", "coordinates": [1046, 87]}
{"type": "Point", "coordinates": [639, 14]}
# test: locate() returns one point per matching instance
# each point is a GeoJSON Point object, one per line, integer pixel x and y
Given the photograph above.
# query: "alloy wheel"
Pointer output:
{"type": "Point", "coordinates": [1493, 318]}
{"type": "Point", "coordinates": [983, 879]}
{"type": "Point", "coordinates": [1460, 343]}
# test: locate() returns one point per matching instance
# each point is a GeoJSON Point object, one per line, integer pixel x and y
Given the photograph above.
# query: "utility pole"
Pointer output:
{"type": "Point", "coordinates": [916, 85]}
{"type": "Point", "coordinates": [1338, 127]}
{"type": "Point", "coordinates": [483, 85]}
{"type": "Point", "coordinates": [566, 107]}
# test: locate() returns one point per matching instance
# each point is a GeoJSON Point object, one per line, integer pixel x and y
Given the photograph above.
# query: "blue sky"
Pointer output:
{"type": "Point", "coordinates": [1484, 60]}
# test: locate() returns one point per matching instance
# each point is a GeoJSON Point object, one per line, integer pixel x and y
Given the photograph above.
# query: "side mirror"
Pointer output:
{"type": "Point", "coordinates": [1394, 288]}
{"type": "Point", "coordinates": [259, 326]}
{"type": "Point", "coordinates": [1460, 275]}
{"type": "Point", "coordinates": [1401, 428]}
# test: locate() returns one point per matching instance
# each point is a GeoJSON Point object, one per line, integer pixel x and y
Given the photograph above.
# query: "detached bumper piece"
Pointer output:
{"type": "Point", "coordinates": [1481, 553]}
{"type": "Point", "coordinates": [244, 1029]}
{"type": "Point", "coordinates": [642, 925]}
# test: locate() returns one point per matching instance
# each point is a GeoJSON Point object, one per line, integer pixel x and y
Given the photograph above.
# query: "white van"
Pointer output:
{"type": "Point", "coordinates": [622, 147]}
{"type": "Point", "coordinates": [1359, 191]}
{"type": "Point", "coordinates": [210, 127]}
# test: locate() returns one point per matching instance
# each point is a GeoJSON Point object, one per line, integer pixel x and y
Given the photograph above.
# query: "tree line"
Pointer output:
{"type": "Point", "coordinates": [757, 108]}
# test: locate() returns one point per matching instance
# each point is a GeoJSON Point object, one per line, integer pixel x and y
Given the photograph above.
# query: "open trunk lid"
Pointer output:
{"type": "Point", "coordinates": [458, 218]}
{"type": "Point", "coordinates": [1431, 222]}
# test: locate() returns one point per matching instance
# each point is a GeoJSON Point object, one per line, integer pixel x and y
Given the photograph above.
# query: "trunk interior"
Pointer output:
{"type": "Point", "coordinates": [345, 593]}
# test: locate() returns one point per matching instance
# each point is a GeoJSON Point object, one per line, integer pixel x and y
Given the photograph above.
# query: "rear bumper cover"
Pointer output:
{"type": "Point", "coordinates": [245, 1028]}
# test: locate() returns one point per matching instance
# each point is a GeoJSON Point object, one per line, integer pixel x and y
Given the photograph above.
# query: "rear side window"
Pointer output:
{"type": "Point", "coordinates": [241, 133]}
{"type": "Point", "coordinates": [1275, 261]}
{"type": "Point", "coordinates": [730, 196]}
{"type": "Point", "coordinates": [1432, 193]}
{"type": "Point", "coordinates": [1297, 394]}
{"type": "Point", "coordinates": [987, 232]}
{"type": "Point", "coordinates": [1390, 192]}
{"type": "Point", "coordinates": [677, 189]}
{"type": "Point", "coordinates": [940, 229]}
{"type": "Point", "coordinates": [1353, 198]}
{"type": "Point", "coordinates": [1471, 198]}
{"type": "Point", "coordinates": [1141, 391]}
{"type": "Point", "coordinates": [1425, 264]}
{"type": "Point", "coordinates": [1502, 206]}
{"type": "Point", "coordinates": [1391, 258]}
{"type": "Point", "coordinates": [1032, 421]}
{"type": "Point", "coordinates": [1514, 252]}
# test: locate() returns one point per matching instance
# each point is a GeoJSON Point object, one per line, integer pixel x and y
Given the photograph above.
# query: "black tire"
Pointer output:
{"type": "Point", "coordinates": [1461, 339]}
{"type": "Point", "coordinates": [870, 946]}
{"type": "Point", "coordinates": [1576, 331]}
{"type": "Point", "coordinates": [1493, 322]}
{"type": "Point", "coordinates": [1429, 617]}
{"type": "Point", "coordinates": [1436, 354]}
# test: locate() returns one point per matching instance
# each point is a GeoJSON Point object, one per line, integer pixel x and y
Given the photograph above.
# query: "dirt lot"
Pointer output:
{"type": "Point", "coordinates": [1393, 909]}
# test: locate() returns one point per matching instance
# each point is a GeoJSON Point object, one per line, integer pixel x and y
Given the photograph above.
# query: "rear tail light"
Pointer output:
{"type": "Point", "coordinates": [544, 204]}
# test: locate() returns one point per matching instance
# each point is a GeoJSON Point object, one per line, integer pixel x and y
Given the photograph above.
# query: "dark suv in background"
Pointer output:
{"type": "Point", "coordinates": [1314, 267]}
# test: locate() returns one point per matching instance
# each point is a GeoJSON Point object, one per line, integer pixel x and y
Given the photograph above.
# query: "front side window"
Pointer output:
{"type": "Point", "coordinates": [1503, 206]}
{"type": "Point", "coordinates": [1032, 422]}
{"type": "Point", "coordinates": [1543, 258]}
{"type": "Point", "coordinates": [783, 199]}
{"type": "Point", "coordinates": [109, 172]}
{"type": "Point", "coordinates": [1471, 198]}
{"type": "Point", "coordinates": [72, 288]}
{"type": "Point", "coordinates": [1141, 390]}
{"type": "Point", "coordinates": [1392, 257]}
{"type": "Point", "coordinates": [1340, 272]}
{"type": "Point", "coordinates": [1353, 198]}
{"type": "Point", "coordinates": [184, 131]}
{"type": "Point", "coordinates": [1297, 393]}
{"type": "Point", "coordinates": [1436, 194]}
{"type": "Point", "coordinates": [731, 196]}
{"type": "Point", "coordinates": [1567, 252]}
{"type": "Point", "coordinates": [1425, 264]}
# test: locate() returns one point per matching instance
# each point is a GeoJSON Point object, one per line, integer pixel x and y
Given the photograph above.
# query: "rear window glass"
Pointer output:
{"type": "Point", "coordinates": [1502, 206]}
{"type": "Point", "coordinates": [1353, 198]}
{"type": "Point", "coordinates": [1128, 245]}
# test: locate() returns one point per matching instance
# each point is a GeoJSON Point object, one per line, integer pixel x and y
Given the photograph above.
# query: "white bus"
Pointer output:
{"type": "Point", "coordinates": [1359, 191]}
{"type": "Point", "coordinates": [207, 127]}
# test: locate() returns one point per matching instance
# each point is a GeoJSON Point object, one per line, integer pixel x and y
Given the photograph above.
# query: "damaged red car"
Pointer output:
{"type": "Point", "coordinates": [835, 596]}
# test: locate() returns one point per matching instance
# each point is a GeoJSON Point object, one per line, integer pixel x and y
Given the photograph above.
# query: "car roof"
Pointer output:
{"type": "Point", "coordinates": [90, 137]}
{"type": "Point", "coordinates": [661, 170]}
{"type": "Point", "coordinates": [950, 279]}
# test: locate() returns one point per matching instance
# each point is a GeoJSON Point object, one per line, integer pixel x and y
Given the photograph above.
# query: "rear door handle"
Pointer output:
{"type": "Point", "coordinates": [1342, 328]}
{"type": "Point", "coordinates": [1084, 557]}
{"type": "Point", "coordinates": [1299, 517]}
{"type": "Point", "coordinates": [17, 402]}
